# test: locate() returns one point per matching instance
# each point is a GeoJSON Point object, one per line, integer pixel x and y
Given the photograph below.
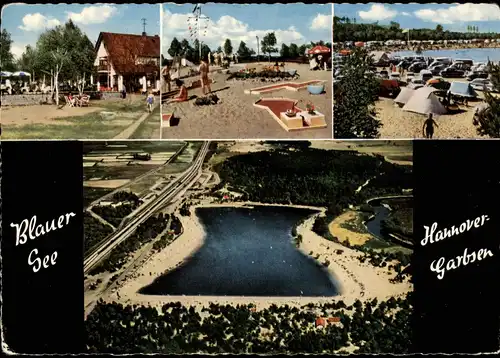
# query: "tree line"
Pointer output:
{"type": "Point", "coordinates": [267, 47]}
{"type": "Point", "coordinates": [371, 326]}
{"type": "Point", "coordinates": [346, 29]}
{"type": "Point", "coordinates": [62, 52]}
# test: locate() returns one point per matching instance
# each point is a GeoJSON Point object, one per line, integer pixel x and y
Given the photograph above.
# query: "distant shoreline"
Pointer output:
{"type": "Point", "coordinates": [427, 47]}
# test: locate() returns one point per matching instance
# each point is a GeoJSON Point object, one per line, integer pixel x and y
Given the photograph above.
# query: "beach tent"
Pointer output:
{"type": "Point", "coordinates": [5, 74]}
{"type": "Point", "coordinates": [21, 74]}
{"type": "Point", "coordinates": [380, 57]}
{"type": "Point", "coordinates": [462, 89]}
{"type": "Point", "coordinates": [404, 96]}
{"type": "Point", "coordinates": [317, 50]}
{"type": "Point", "coordinates": [424, 101]}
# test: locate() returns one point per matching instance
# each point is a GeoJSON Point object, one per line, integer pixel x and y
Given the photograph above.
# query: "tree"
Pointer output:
{"type": "Point", "coordinates": [6, 56]}
{"type": "Point", "coordinates": [175, 48]}
{"type": "Point", "coordinates": [244, 51]}
{"type": "Point", "coordinates": [267, 44]}
{"type": "Point", "coordinates": [439, 28]}
{"type": "Point", "coordinates": [52, 55]}
{"type": "Point", "coordinates": [293, 50]}
{"type": "Point", "coordinates": [228, 47]}
{"type": "Point", "coordinates": [219, 49]}
{"type": "Point", "coordinates": [354, 98]}
{"type": "Point", "coordinates": [28, 61]}
{"type": "Point", "coordinates": [285, 51]}
{"type": "Point", "coordinates": [487, 120]}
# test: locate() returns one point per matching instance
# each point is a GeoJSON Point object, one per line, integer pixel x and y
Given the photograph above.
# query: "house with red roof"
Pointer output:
{"type": "Point", "coordinates": [128, 60]}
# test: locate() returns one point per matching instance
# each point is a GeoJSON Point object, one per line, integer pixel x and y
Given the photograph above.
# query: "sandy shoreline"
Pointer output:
{"type": "Point", "coordinates": [355, 280]}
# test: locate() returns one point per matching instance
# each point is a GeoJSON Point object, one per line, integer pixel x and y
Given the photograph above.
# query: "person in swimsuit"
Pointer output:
{"type": "Point", "coordinates": [165, 71]}
{"type": "Point", "coordinates": [183, 92]}
{"type": "Point", "coordinates": [205, 83]}
{"type": "Point", "coordinates": [428, 127]}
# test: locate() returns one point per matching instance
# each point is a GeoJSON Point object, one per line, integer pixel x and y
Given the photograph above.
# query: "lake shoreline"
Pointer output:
{"type": "Point", "coordinates": [354, 280]}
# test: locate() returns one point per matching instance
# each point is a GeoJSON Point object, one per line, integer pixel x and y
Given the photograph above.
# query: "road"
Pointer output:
{"type": "Point", "coordinates": [177, 186]}
{"type": "Point", "coordinates": [140, 177]}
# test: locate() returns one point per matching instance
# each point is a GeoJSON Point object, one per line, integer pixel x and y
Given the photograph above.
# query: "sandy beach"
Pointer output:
{"type": "Point", "coordinates": [400, 124]}
{"type": "Point", "coordinates": [236, 117]}
{"type": "Point", "coordinates": [356, 280]}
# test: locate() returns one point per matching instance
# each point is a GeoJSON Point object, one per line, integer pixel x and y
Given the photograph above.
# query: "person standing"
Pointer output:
{"type": "Point", "coordinates": [165, 71]}
{"type": "Point", "coordinates": [150, 99]}
{"type": "Point", "coordinates": [205, 82]}
{"type": "Point", "coordinates": [428, 127]}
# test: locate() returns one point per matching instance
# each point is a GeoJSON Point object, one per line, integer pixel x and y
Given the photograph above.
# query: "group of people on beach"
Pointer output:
{"type": "Point", "coordinates": [182, 96]}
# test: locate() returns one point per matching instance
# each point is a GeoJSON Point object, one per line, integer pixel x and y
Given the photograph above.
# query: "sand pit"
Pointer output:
{"type": "Point", "coordinates": [291, 86]}
{"type": "Point", "coordinates": [107, 184]}
{"type": "Point", "coordinates": [337, 228]}
{"type": "Point", "coordinates": [42, 114]}
{"type": "Point", "coordinates": [236, 117]}
{"type": "Point", "coordinates": [277, 108]}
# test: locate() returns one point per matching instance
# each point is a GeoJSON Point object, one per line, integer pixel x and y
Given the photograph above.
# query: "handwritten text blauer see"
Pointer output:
{"type": "Point", "coordinates": [29, 229]}
{"type": "Point", "coordinates": [432, 235]}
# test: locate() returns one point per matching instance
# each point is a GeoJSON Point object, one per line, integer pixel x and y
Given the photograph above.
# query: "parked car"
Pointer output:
{"type": "Point", "coordinates": [452, 72]}
{"type": "Point", "coordinates": [417, 67]}
{"type": "Point", "coordinates": [482, 84]}
{"type": "Point", "coordinates": [436, 69]}
{"type": "Point", "coordinates": [384, 74]}
{"type": "Point", "coordinates": [476, 74]}
{"type": "Point", "coordinates": [425, 75]}
{"type": "Point", "coordinates": [409, 76]}
{"type": "Point", "coordinates": [395, 76]}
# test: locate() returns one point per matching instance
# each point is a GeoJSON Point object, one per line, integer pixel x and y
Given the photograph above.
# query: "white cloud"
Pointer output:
{"type": "Point", "coordinates": [37, 22]}
{"type": "Point", "coordinates": [321, 22]}
{"type": "Point", "coordinates": [215, 32]}
{"type": "Point", "coordinates": [460, 13]}
{"type": "Point", "coordinates": [404, 13]}
{"type": "Point", "coordinates": [93, 14]}
{"type": "Point", "coordinates": [378, 12]}
{"type": "Point", "coordinates": [17, 50]}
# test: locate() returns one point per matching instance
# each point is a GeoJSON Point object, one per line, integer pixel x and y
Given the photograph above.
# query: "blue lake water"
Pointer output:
{"type": "Point", "coordinates": [247, 252]}
{"type": "Point", "coordinates": [475, 54]}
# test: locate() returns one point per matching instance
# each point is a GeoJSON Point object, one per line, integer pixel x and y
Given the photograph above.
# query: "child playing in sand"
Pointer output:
{"type": "Point", "coordinates": [150, 99]}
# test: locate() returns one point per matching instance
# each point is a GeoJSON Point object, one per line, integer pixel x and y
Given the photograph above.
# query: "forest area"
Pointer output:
{"type": "Point", "coordinates": [371, 326]}
{"type": "Point", "coordinates": [315, 177]}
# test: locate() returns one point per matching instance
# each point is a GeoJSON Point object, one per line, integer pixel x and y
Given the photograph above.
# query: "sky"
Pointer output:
{"type": "Point", "coordinates": [453, 17]}
{"type": "Point", "coordinates": [25, 23]}
{"type": "Point", "coordinates": [297, 23]}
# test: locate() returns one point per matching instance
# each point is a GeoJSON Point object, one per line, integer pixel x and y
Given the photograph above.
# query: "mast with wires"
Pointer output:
{"type": "Point", "coordinates": [143, 20]}
{"type": "Point", "coordinates": [198, 24]}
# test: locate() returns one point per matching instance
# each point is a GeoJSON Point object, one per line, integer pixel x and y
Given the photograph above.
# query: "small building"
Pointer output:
{"type": "Point", "coordinates": [127, 60]}
{"type": "Point", "coordinates": [320, 322]}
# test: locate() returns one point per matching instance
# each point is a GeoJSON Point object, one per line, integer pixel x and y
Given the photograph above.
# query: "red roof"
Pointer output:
{"type": "Point", "coordinates": [320, 322]}
{"type": "Point", "coordinates": [333, 319]}
{"type": "Point", "coordinates": [124, 49]}
{"type": "Point", "coordinates": [319, 49]}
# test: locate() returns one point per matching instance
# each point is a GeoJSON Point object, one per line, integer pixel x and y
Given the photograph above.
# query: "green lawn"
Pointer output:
{"type": "Point", "coordinates": [150, 128]}
{"type": "Point", "coordinates": [90, 126]}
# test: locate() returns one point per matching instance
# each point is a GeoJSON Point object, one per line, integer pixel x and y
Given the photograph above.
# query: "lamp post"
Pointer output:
{"type": "Point", "coordinates": [258, 53]}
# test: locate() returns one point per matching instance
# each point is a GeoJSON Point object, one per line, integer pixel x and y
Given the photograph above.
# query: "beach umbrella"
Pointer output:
{"type": "Point", "coordinates": [5, 74]}
{"type": "Point", "coordinates": [21, 74]}
{"type": "Point", "coordinates": [316, 50]}
{"type": "Point", "coordinates": [359, 44]}
{"type": "Point", "coordinates": [345, 52]}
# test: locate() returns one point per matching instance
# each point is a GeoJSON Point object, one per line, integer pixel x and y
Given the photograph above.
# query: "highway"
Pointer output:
{"type": "Point", "coordinates": [167, 194]}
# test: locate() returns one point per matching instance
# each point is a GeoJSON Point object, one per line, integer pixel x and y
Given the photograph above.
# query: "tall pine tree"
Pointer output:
{"type": "Point", "coordinates": [487, 119]}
